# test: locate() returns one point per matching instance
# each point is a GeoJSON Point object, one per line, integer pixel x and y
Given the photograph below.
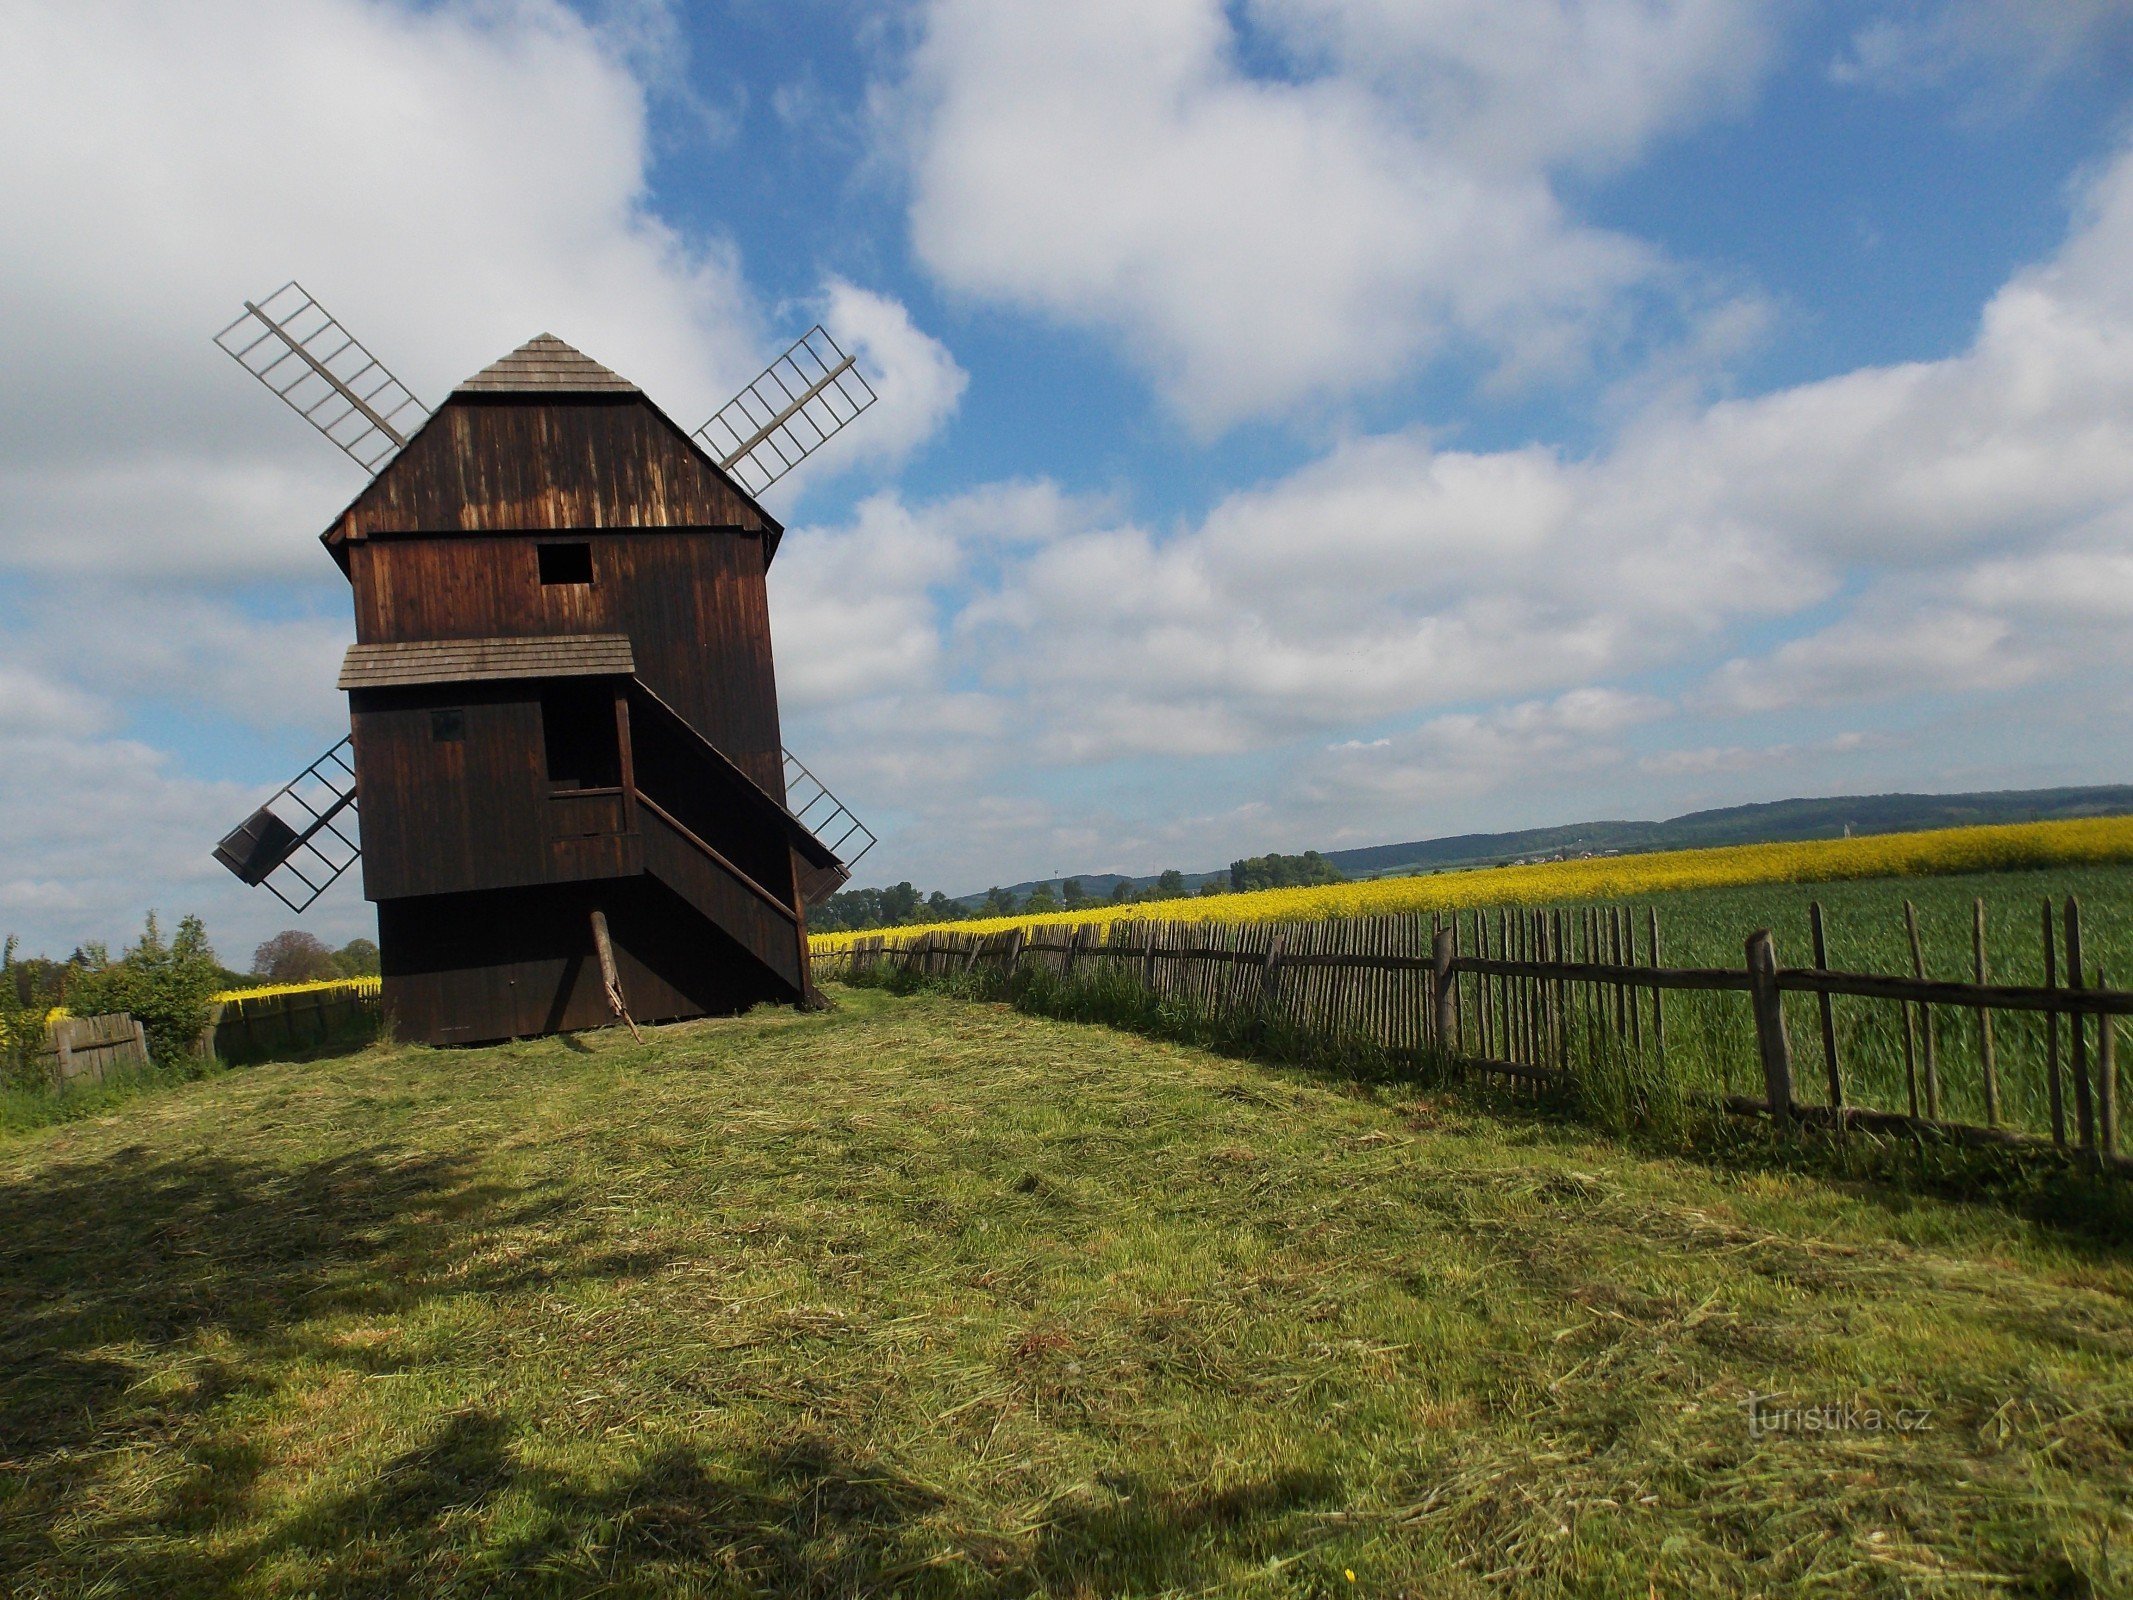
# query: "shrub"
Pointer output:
{"type": "Point", "coordinates": [168, 987]}
{"type": "Point", "coordinates": [26, 996]}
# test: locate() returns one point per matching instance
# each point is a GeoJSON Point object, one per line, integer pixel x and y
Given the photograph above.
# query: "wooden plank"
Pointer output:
{"type": "Point", "coordinates": [1658, 995]}
{"type": "Point", "coordinates": [1771, 1043]}
{"type": "Point", "coordinates": [1925, 1014]}
{"type": "Point", "coordinates": [1981, 968]}
{"type": "Point", "coordinates": [2077, 1045]}
{"type": "Point", "coordinates": [1936, 991]}
{"type": "Point", "coordinates": [2051, 1035]}
{"type": "Point", "coordinates": [1827, 1005]}
{"type": "Point", "coordinates": [2107, 1078]}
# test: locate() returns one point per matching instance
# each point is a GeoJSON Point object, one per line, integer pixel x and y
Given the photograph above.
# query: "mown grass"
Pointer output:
{"type": "Point", "coordinates": [1710, 1038]}
{"type": "Point", "coordinates": [933, 1297]}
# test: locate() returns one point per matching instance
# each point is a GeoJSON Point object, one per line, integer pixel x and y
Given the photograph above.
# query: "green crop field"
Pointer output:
{"type": "Point", "coordinates": [933, 1297]}
{"type": "Point", "coordinates": [1711, 1036]}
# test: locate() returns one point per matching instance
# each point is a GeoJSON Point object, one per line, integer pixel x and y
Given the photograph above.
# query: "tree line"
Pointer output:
{"type": "Point", "coordinates": [902, 905]}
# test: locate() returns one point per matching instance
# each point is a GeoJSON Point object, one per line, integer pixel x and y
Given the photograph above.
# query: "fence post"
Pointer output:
{"type": "Point", "coordinates": [1829, 1016]}
{"type": "Point", "coordinates": [2077, 1055]}
{"type": "Point", "coordinates": [1270, 983]}
{"type": "Point", "coordinates": [1770, 1039]}
{"type": "Point", "coordinates": [2106, 1073]}
{"type": "Point", "coordinates": [1440, 969]}
{"type": "Point", "coordinates": [1925, 1015]}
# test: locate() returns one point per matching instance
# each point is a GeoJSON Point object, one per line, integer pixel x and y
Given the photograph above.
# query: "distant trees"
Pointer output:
{"type": "Point", "coordinates": [893, 907]}
{"type": "Point", "coordinates": [901, 905]}
{"type": "Point", "coordinates": [1282, 872]}
{"type": "Point", "coordinates": [358, 958]}
{"type": "Point", "coordinates": [293, 956]}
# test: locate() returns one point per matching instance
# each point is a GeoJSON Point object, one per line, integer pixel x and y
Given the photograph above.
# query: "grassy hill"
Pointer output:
{"type": "Point", "coordinates": [936, 1298]}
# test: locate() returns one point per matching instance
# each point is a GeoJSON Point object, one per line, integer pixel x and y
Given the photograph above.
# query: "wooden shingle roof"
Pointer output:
{"type": "Point", "coordinates": [563, 655]}
{"type": "Point", "coordinates": [544, 364]}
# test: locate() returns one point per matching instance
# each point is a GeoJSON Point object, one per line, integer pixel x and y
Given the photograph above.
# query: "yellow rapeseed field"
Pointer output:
{"type": "Point", "coordinates": [2085, 842]}
{"type": "Point", "coordinates": [317, 985]}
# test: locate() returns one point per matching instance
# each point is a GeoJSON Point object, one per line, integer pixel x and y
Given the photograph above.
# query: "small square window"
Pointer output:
{"type": "Point", "coordinates": [448, 727]}
{"type": "Point", "coordinates": [566, 563]}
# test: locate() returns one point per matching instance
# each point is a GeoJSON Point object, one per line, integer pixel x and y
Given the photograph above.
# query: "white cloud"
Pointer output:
{"type": "Point", "coordinates": [916, 379]}
{"type": "Point", "coordinates": [449, 180]}
{"type": "Point", "coordinates": [1256, 242]}
{"type": "Point", "coordinates": [212, 656]}
{"type": "Point", "coordinates": [33, 704]}
{"type": "Point", "coordinates": [1584, 83]}
{"type": "Point", "coordinates": [100, 830]}
{"type": "Point", "coordinates": [1471, 753]}
{"type": "Point", "coordinates": [1727, 760]}
{"type": "Point", "coordinates": [2010, 47]}
{"type": "Point", "coordinates": [1963, 528]}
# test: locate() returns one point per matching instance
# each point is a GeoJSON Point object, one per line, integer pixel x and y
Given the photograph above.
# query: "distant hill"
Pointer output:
{"type": "Point", "coordinates": [1770, 822]}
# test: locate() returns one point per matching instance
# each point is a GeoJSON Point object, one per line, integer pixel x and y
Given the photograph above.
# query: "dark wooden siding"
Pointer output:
{"type": "Point", "coordinates": [460, 969]}
{"type": "Point", "coordinates": [693, 603]}
{"type": "Point", "coordinates": [511, 462]}
{"type": "Point", "coordinates": [441, 816]}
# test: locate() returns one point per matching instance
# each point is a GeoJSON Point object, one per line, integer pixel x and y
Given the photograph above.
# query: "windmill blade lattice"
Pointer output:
{"type": "Point", "coordinates": [823, 814]}
{"type": "Point", "coordinates": [806, 395]}
{"type": "Point", "coordinates": [303, 838]}
{"type": "Point", "coordinates": [293, 345]}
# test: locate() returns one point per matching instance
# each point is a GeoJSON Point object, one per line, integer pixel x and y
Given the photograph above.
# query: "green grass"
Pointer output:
{"type": "Point", "coordinates": [1713, 1035]}
{"type": "Point", "coordinates": [924, 1296]}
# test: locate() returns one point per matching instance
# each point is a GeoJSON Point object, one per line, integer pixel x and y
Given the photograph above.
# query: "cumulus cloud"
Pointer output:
{"type": "Point", "coordinates": [98, 830]}
{"type": "Point", "coordinates": [1578, 83]}
{"type": "Point", "coordinates": [1960, 527]}
{"type": "Point", "coordinates": [1256, 241]}
{"type": "Point", "coordinates": [2004, 47]}
{"type": "Point", "coordinates": [1870, 657]}
{"type": "Point", "coordinates": [1470, 753]}
{"type": "Point", "coordinates": [917, 381]}
{"type": "Point", "coordinates": [449, 180]}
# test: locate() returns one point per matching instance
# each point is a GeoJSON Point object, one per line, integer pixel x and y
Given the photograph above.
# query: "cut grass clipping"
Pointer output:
{"type": "Point", "coordinates": [930, 1297]}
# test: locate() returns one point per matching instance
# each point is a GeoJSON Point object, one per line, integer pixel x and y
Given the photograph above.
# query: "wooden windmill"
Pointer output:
{"type": "Point", "coordinates": [575, 802]}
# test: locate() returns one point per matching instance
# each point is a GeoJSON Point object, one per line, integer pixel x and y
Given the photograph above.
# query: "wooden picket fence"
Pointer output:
{"type": "Point", "coordinates": [1530, 996]}
{"type": "Point", "coordinates": [92, 1049]}
{"type": "Point", "coordinates": [241, 1030]}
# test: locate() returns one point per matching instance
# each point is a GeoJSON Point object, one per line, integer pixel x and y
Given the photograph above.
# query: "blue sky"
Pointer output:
{"type": "Point", "coordinates": [1305, 422]}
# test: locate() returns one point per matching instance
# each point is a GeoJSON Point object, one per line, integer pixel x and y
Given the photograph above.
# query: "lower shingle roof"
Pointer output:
{"type": "Point", "coordinates": [564, 655]}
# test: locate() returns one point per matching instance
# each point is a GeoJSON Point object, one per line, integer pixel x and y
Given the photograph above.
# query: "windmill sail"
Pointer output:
{"type": "Point", "coordinates": [290, 343]}
{"type": "Point", "coordinates": [828, 819]}
{"type": "Point", "coordinates": [809, 393]}
{"type": "Point", "coordinates": [303, 838]}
